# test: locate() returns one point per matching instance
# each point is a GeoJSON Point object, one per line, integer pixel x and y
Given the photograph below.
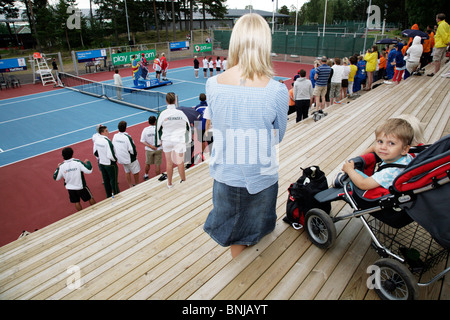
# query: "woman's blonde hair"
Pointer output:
{"type": "Point", "coordinates": [250, 46]}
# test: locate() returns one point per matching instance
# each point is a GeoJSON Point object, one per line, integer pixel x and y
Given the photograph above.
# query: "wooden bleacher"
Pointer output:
{"type": "Point", "coordinates": [149, 243]}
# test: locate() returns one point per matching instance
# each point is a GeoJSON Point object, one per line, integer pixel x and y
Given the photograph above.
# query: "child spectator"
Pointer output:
{"type": "Point", "coordinates": [390, 64]}
{"type": "Point", "coordinates": [393, 140]}
{"type": "Point", "coordinates": [351, 77]}
{"type": "Point", "coordinates": [345, 75]}
{"type": "Point", "coordinates": [400, 64]}
{"type": "Point", "coordinates": [360, 77]}
{"type": "Point", "coordinates": [72, 170]}
{"type": "Point", "coordinates": [382, 65]}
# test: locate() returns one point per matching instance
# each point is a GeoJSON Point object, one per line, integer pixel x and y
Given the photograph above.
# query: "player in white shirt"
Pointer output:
{"type": "Point", "coordinates": [205, 67]}
{"type": "Point", "coordinates": [72, 171]}
{"type": "Point", "coordinates": [107, 161]}
{"type": "Point", "coordinates": [211, 66]}
{"type": "Point", "coordinates": [153, 154]}
{"type": "Point", "coordinates": [174, 132]}
{"type": "Point", "coordinates": [218, 65]}
{"type": "Point", "coordinates": [126, 153]}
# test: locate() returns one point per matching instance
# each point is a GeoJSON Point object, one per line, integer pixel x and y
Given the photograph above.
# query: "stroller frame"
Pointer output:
{"type": "Point", "coordinates": [396, 279]}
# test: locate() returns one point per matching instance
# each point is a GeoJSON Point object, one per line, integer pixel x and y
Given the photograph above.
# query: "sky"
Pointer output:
{"type": "Point", "coordinates": [266, 5]}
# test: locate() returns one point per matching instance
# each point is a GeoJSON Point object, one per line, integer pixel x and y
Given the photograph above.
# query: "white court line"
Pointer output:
{"type": "Point", "coordinates": [47, 112]}
{"type": "Point", "coordinates": [34, 98]}
{"type": "Point", "coordinates": [64, 134]}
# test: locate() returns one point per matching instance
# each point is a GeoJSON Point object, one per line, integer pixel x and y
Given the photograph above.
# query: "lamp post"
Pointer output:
{"type": "Point", "coordinates": [128, 26]}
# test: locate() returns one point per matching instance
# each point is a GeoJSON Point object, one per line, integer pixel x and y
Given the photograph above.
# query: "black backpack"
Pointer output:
{"type": "Point", "coordinates": [301, 196]}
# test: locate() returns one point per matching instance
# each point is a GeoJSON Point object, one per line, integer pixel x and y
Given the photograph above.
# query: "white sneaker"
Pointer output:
{"type": "Point", "coordinates": [169, 186]}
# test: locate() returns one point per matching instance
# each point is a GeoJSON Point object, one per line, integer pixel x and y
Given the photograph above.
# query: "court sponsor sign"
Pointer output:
{"type": "Point", "coordinates": [91, 55]}
{"type": "Point", "coordinates": [11, 65]}
{"type": "Point", "coordinates": [202, 47]}
{"type": "Point", "coordinates": [125, 57]}
{"type": "Point", "coordinates": [179, 45]}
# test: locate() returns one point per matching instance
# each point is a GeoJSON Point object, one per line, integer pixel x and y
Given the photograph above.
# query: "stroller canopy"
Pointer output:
{"type": "Point", "coordinates": [427, 179]}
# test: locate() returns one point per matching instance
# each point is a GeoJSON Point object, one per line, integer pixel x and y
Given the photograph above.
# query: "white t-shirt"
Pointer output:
{"type": "Point", "coordinates": [124, 147]}
{"type": "Point", "coordinates": [149, 136]}
{"type": "Point", "coordinates": [72, 171]}
{"type": "Point", "coordinates": [338, 71]}
{"type": "Point", "coordinates": [173, 125]}
{"type": "Point", "coordinates": [117, 80]}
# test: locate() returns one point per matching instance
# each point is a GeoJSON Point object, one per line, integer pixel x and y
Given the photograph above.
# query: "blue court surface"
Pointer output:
{"type": "Point", "coordinates": [35, 124]}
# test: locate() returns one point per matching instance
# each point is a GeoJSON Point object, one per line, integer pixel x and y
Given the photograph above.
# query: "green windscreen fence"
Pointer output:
{"type": "Point", "coordinates": [308, 44]}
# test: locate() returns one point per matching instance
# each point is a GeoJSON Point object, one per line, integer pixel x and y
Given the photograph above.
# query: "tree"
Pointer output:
{"type": "Point", "coordinates": [8, 8]}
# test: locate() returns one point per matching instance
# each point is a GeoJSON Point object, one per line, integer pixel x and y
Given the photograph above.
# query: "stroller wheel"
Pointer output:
{"type": "Point", "coordinates": [320, 228]}
{"type": "Point", "coordinates": [393, 281]}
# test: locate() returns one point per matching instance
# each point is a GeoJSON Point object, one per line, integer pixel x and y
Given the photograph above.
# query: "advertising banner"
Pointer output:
{"type": "Point", "coordinates": [91, 55]}
{"type": "Point", "coordinates": [180, 45]}
{"type": "Point", "coordinates": [202, 47]}
{"type": "Point", "coordinates": [125, 57]}
{"type": "Point", "coordinates": [11, 65]}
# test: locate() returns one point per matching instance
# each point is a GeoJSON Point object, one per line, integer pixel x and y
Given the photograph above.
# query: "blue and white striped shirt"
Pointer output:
{"type": "Point", "coordinates": [248, 123]}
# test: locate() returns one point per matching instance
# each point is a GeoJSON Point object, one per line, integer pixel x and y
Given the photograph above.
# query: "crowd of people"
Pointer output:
{"type": "Point", "coordinates": [210, 64]}
{"type": "Point", "coordinates": [332, 80]}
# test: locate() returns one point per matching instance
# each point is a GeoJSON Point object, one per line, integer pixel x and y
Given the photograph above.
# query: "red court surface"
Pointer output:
{"type": "Point", "coordinates": [31, 199]}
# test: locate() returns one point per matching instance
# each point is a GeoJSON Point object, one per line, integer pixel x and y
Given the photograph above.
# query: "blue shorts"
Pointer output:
{"type": "Point", "coordinates": [241, 218]}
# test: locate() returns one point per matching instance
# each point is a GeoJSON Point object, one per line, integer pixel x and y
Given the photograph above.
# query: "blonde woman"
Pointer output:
{"type": "Point", "coordinates": [248, 109]}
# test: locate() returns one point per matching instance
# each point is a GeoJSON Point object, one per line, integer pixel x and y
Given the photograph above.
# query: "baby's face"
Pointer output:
{"type": "Point", "coordinates": [389, 148]}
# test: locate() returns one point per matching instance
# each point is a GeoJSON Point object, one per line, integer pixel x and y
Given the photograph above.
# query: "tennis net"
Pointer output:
{"type": "Point", "coordinates": [153, 101]}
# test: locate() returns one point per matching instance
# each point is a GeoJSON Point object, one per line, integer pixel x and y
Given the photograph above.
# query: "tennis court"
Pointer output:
{"type": "Point", "coordinates": [35, 127]}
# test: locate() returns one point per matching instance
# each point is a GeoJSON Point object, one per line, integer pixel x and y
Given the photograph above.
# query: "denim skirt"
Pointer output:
{"type": "Point", "coordinates": [241, 218]}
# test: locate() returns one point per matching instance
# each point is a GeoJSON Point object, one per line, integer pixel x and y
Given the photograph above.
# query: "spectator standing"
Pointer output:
{"type": "Point", "coordinates": [247, 99]}
{"type": "Point", "coordinates": [345, 74]}
{"type": "Point", "coordinates": [104, 151]}
{"type": "Point", "coordinates": [360, 77]}
{"type": "Point", "coordinates": [441, 41]}
{"type": "Point", "coordinates": [400, 64]}
{"type": "Point", "coordinates": [72, 171]}
{"type": "Point", "coordinates": [196, 66]}
{"type": "Point", "coordinates": [351, 77]}
{"type": "Point", "coordinates": [372, 59]}
{"type": "Point", "coordinates": [55, 69]}
{"type": "Point", "coordinates": [126, 153]}
{"type": "Point", "coordinates": [336, 81]}
{"type": "Point", "coordinates": [414, 53]}
{"type": "Point", "coordinates": [153, 154]}
{"type": "Point", "coordinates": [390, 64]}
{"type": "Point", "coordinates": [173, 130]}
{"type": "Point", "coordinates": [321, 79]}
{"type": "Point", "coordinates": [303, 93]}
